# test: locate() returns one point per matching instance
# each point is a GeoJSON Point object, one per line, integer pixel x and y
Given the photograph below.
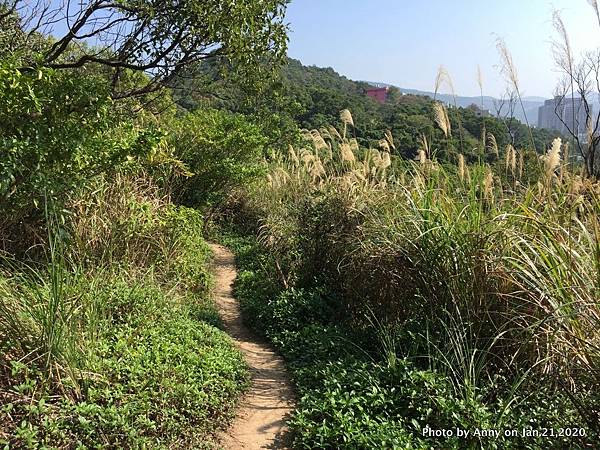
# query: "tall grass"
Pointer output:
{"type": "Point", "coordinates": [110, 339]}
{"type": "Point", "coordinates": [125, 225]}
{"type": "Point", "coordinates": [488, 279]}
{"type": "Point", "coordinates": [37, 310]}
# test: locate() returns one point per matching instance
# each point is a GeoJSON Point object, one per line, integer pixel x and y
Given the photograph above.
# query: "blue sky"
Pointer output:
{"type": "Point", "coordinates": [403, 42]}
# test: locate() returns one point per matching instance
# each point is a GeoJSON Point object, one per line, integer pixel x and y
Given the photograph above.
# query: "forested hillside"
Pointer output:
{"type": "Point", "coordinates": [311, 98]}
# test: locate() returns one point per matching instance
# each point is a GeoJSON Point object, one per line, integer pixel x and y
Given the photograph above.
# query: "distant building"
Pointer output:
{"type": "Point", "coordinates": [379, 94]}
{"type": "Point", "coordinates": [564, 114]}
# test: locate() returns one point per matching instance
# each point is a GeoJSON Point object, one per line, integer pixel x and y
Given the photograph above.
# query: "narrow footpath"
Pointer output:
{"type": "Point", "coordinates": [260, 421]}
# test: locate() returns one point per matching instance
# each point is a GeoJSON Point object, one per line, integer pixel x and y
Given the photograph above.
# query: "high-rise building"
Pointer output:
{"type": "Point", "coordinates": [564, 115]}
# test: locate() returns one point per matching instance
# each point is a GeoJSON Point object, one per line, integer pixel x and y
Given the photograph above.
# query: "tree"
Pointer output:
{"type": "Point", "coordinates": [222, 151]}
{"type": "Point", "coordinates": [158, 38]}
{"type": "Point", "coordinates": [578, 89]}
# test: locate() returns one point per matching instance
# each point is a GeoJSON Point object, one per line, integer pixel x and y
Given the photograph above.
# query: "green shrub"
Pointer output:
{"type": "Point", "coordinates": [114, 343]}
{"type": "Point", "coordinates": [221, 150]}
{"type": "Point", "coordinates": [57, 130]}
{"type": "Point", "coordinates": [153, 376]}
{"type": "Point", "coordinates": [353, 395]}
{"type": "Point", "coordinates": [126, 222]}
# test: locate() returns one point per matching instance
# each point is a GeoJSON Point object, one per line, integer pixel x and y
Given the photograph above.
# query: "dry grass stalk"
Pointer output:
{"type": "Point", "coordinates": [383, 144]}
{"type": "Point", "coordinates": [358, 174]}
{"type": "Point", "coordinates": [566, 152]}
{"type": "Point", "coordinates": [483, 136]}
{"type": "Point", "coordinates": [317, 171]}
{"type": "Point", "coordinates": [318, 140]}
{"type": "Point", "coordinates": [324, 132]}
{"type": "Point", "coordinates": [390, 139]}
{"type": "Point", "coordinates": [576, 185]}
{"type": "Point", "coordinates": [375, 156]}
{"type": "Point", "coordinates": [513, 162]}
{"type": "Point", "coordinates": [540, 189]}
{"type": "Point", "coordinates": [562, 49]}
{"type": "Point", "coordinates": [334, 133]}
{"type": "Point", "coordinates": [346, 153]}
{"type": "Point", "coordinates": [552, 158]}
{"type": "Point", "coordinates": [443, 76]}
{"type": "Point", "coordinates": [488, 185]}
{"type": "Point", "coordinates": [293, 156]}
{"type": "Point", "coordinates": [589, 134]}
{"type": "Point", "coordinates": [461, 167]}
{"type": "Point", "coordinates": [441, 118]}
{"type": "Point", "coordinates": [366, 168]}
{"type": "Point", "coordinates": [385, 160]}
{"type": "Point", "coordinates": [492, 144]}
{"type": "Point", "coordinates": [346, 119]}
{"type": "Point", "coordinates": [511, 159]}
{"type": "Point", "coordinates": [508, 67]}
{"type": "Point", "coordinates": [306, 156]}
{"type": "Point", "coordinates": [278, 178]}
{"type": "Point", "coordinates": [521, 163]}
{"type": "Point", "coordinates": [425, 145]}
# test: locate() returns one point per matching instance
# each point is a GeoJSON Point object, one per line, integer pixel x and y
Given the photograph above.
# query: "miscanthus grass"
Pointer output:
{"type": "Point", "coordinates": [501, 278]}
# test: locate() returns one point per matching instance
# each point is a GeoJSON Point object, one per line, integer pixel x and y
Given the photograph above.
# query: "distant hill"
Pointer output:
{"type": "Point", "coordinates": [320, 93]}
{"type": "Point", "coordinates": [530, 104]}
{"type": "Point", "coordinates": [312, 97]}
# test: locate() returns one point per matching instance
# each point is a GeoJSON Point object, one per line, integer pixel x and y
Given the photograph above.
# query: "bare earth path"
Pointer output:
{"type": "Point", "coordinates": [259, 423]}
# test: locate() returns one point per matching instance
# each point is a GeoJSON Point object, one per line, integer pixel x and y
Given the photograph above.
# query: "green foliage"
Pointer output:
{"type": "Point", "coordinates": [159, 41]}
{"type": "Point", "coordinates": [15, 43]}
{"type": "Point", "coordinates": [351, 398]}
{"type": "Point", "coordinates": [440, 290]}
{"type": "Point", "coordinates": [108, 338]}
{"type": "Point", "coordinates": [220, 149]}
{"type": "Point", "coordinates": [124, 222]}
{"type": "Point", "coordinates": [153, 375]}
{"type": "Point", "coordinates": [312, 97]}
{"type": "Point", "coordinates": [115, 344]}
{"type": "Point", "coordinates": [57, 131]}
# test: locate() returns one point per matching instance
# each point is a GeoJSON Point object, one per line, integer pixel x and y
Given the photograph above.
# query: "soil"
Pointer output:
{"type": "Point", "coordinates": [260, 420]}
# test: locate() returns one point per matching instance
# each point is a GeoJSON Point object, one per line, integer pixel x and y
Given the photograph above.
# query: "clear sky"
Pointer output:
{"type": "Point", "coordinates": [403, 42]}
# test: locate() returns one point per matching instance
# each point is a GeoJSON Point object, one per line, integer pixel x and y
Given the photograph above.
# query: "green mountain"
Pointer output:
{"type": "Point", "coordinates": [312, 97]}
{"type": "Point", "coordinates": [320, 93]}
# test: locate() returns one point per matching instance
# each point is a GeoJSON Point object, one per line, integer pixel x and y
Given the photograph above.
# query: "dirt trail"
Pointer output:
{"type": "Point", "coordinates": [260, 420]}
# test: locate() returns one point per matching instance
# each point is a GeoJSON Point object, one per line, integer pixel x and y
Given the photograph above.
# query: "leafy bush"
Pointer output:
{"type": "Point", "coordinates": [455, 267]}
{"type": "Point", "coordinates": [221, 150]}
{"type": "Point", "coordinates": [353, 394]}
{"type": "Point", "coordinates": [114, 344]}
{"type": "Point", "coordinates": [151, 377]}
{"type": "Point", "coordinates": [127, 221]}
{"type": "Point", "coordinates": [57, 130]}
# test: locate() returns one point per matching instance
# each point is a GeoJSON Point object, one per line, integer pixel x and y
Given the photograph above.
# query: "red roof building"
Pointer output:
{"type": "Point", "coordinates": [378, 94]}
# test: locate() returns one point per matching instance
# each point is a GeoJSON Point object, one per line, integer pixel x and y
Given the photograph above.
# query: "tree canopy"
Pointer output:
{"type": "Point", "coordinates": [158, 38]}
{"type": "Point", "coordinates": [312, 97]}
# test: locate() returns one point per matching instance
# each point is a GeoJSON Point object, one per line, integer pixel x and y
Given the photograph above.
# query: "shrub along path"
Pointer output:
{"type": "Point", "coordinates": [260, 422]}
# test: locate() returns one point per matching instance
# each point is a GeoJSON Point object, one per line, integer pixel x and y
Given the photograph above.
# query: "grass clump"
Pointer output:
{"type": "Point", "coordinates": [475, 295]}
{"type": "Point", "coordinates": [113, 342]}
